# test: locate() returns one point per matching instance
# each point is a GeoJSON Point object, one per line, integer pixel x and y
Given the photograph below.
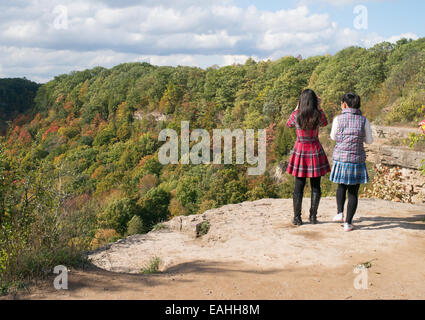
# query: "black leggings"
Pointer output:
{"type": "Point", "coordinates": [353, 199]}
{"type": "Point", "coordinates": [301, 182]}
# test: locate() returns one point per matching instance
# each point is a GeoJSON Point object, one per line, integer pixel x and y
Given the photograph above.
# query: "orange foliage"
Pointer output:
{"type": "Point", "coordinates": [24, 136]}
{"type": "Point", "coordinates": [68, 106]}
{"type": "Point", "coordinates": [144, 160]}
{"type": "Point", "coordinates": [98, 172]}
{"type": "Point", "coordinates": [13, 135]}
{"type": "Point", "coordinates": [51, 129]}
{"type": "Point", "coordinates": [70, 118]}
{"type": "Point", "coordinates": [36, 120]}
{"type": "Point", "coordinates": [88, 131]}
{"type": "Point", "coordinates": [60, 98]}
{"type": "Point", "coordinates": [147, 182]}
{"type": "Point", "coordinates": [98, 121]}
{"type": "Point", "coordinates": [176, 208]}
{"type": "Point", "coordinates": [271, 135]}
{"type": "Point", "coordinates": [77, 202]}
{"type": "Point", "coordinates": [102, 237]}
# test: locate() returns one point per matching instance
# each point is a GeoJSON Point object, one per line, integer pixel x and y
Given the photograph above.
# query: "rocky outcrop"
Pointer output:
{"type": "Point", "coordinates": [260, 234]}
{"type": "Point", "coordinates": [395, 156]}
{"type": "Point", "coordinates": [391, 148]}
{"type": "Point", "coordinates": [391, 152]}
{"type": "Point", "coordinates": [279, 172]}
{"type": "Point", "coordinates": [382, 132]}
{"type": "Point", "coordinates": [157, 116]}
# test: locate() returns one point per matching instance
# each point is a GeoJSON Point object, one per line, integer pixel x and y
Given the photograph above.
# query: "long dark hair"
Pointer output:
{"type": "Point", "coordinates": [309, 116]}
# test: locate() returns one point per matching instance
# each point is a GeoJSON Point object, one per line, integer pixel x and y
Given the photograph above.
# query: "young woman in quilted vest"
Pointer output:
{"type": "Point", "coordinates": [308, 158]}
{"type": "Point", "coordinates": [350, 130]}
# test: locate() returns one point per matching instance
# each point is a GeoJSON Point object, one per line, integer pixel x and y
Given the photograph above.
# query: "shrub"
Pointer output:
{"type": "Point", "coordinates": [102, 237]}
{"type": "Point", "coordinates": [104, 137]}
{"type": "Point", "coordinates": [236, 191]}
{"type": "Point", "coordinates": [124, 132]}
{"type": "Point", "coordinates": [43, 234]}
{"type": "Point", "coordinates": [407, 109]}
{"type": "Point", "coordinates": [286, 189]}
{"type": "Point", "coordinates": [263, 188]}
{"type": "Point", "coordinates": [135, 226]}
{"type": "Point", "coordinates": [152, 266]}
{"type": "Point", "coordinates": [284, 142]}
{"type": "Point", "coordinates": [188, 193]}
{"type": "Point", "coordinates": [152, 166]}
{"type": "Point", "coordinates": [203, 228]}
{"type": "Point", "coordinates": [148, 144]}
{"type": "Point", "coordinates": [177, 209]}
{"type": "Point", "coordinates": [146, 183]}
{"type": "Point", "coordinates": [206, 205]}
{"type": "Point", "coordinates": [154, 207]}
{"type": "Point", "coordinates": [118, 214]}
{"type": "Point", "coordinates": [69, 132]}
{"type": "Point", "coordinates": [159, 226]}
{"type": "Point", "coordinates": [86, 140]}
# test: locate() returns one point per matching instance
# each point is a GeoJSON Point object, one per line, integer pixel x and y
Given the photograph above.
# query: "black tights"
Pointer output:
{"type": "Point", "coordinates": [301, 182]}
{"type": "Point", "coordinates": [353, 198]}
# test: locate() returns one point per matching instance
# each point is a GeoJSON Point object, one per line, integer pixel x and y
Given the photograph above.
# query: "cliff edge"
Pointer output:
{"type": "Point", "coordinates": [260, 234]}
{"type": "Point", "coordinates": [251, 251]}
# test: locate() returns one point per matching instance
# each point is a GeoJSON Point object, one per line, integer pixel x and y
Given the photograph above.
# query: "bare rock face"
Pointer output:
{"type": "Point", "coordinates": [382, 132]}
{"type": "Point", "coordinates": [395, 156]}
{"type": "Point", "coordinates": [189, 225]}
{"type": "Point", "coordinates": [157, 116]}
{"type": "Point", "coordinates": [260, 234]}
{"type": "Point", "coordinates": [279, 172]}
{"type": "Point", "coordinates": [391, 149]}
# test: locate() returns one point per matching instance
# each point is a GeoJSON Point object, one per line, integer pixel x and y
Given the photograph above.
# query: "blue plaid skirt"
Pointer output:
{"type": "Point", "coordinates": [349, 173]}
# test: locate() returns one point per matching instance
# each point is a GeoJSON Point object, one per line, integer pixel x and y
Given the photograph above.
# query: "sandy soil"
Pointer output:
{"type": "Point", "coordinates": [253, 252]}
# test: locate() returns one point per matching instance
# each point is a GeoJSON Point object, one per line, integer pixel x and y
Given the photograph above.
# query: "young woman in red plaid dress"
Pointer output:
{"type": "Point", "coordinates": [308, 159]}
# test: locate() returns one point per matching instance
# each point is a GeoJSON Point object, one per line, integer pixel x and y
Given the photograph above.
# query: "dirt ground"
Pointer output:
{"type": "Point", "coordinates": [253, 252]}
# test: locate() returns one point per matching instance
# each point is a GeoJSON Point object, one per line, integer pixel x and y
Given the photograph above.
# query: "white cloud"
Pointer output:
{"type": "Point", "coordinates": [408, 35]}
{"type": "Point", "coordinates": [340, 2]}
{"type": "Point", "coordinates": [165, 32]}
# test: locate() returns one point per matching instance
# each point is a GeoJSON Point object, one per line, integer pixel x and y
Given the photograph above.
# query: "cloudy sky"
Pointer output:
{"type": "Point", "coordinates": [43, 38]}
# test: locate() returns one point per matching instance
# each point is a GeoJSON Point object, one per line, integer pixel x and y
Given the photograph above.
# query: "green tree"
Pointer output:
{"type": "Point", "coordinates": [154, 207]}
{"type": "Point", "coordinates": [118, 214]}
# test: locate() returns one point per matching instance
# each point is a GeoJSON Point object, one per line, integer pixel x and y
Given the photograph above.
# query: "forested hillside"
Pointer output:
{"type": "Point", "coordinates": [16, 97]}
{"type": "Point", "coordinates": [80, 169]}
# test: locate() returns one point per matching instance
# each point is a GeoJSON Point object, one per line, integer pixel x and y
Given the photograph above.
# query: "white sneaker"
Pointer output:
{"type": "Point", "coordinates": [348, 227]}
{"type": "Point", "coordinates": [339, 217]}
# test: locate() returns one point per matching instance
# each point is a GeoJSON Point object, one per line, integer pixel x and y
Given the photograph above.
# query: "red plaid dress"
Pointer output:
{"type": "Point", "coordinates": [308, 158]}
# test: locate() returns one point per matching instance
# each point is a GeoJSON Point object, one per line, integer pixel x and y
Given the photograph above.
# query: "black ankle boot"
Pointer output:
{"type": "Point", "coordinates": [298, 201]}
{"type": "Point", "coordinates": [315, 200]}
